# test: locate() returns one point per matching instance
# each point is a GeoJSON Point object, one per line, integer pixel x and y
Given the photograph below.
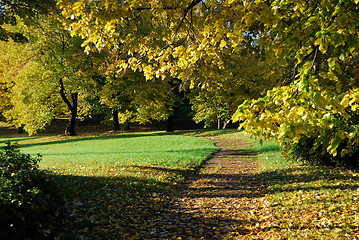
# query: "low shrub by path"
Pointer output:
{"type": "Point", "coordinates": [30, 207]}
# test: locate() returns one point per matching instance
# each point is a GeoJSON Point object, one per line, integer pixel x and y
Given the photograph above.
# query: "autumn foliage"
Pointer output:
{"type": "Point", "coordinates": [311, 47]}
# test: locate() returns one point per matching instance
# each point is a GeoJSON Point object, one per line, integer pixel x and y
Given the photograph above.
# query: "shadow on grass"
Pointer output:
{"type": "Point", "coordinates": [98, 206]}
{"type": "Point", "coordinates": [124, 207]}
{"type": "Point", "coordinates": [200, 133]}
{"type": "Point", "coordinates": [206, 132]}
{"type": "Point", "coordinates": [15, 139]}
{"type": "Point", "coordinates": [145, 153]}
{"type": "Point", "coordinates": [267, 148]}
{"type": "Point", "coordinates": [302, 177]}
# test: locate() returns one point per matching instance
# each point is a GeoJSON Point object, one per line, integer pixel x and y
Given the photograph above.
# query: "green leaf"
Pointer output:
{"type": "Point", "coordinates": [342, 56]}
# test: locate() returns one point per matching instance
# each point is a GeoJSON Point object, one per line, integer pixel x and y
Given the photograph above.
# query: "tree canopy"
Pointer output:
{"type": "Point", "coordinates": [27, 10]}
{"type": "Point", "coordinates": [299, 59]}
{"type": "Point", "coordinates": [313, 44]}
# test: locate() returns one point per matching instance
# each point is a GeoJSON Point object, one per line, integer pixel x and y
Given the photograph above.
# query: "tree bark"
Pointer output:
{"type": "Point", "coordinates": [225, 124]}
{"type": "Point", "coordinates": [115, 123]}
{"type": "Point", "coordinates": [20, 129]}
{"type": "Point", "coordinates": [70, 127]}
{"type": "Point", "coordinates": [218, 121]}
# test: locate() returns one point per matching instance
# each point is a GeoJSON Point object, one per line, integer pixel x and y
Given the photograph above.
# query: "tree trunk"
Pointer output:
{"type": "Point", "coordinates": [218, 121]}
{"type": "Point", "coordinates": [170, 127]}
{"type": "Point", "coordinates": [70, 128]}
{"type": "Point", "coordinates": [225, 124]}
{"type": "Point", "coordinates": [115, 123]}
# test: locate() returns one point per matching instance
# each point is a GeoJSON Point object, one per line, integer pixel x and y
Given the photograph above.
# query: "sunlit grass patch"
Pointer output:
{"type": "Point", "coordinates": [114, 182]}
{"type": "Point", "coordinates": [75, 154]}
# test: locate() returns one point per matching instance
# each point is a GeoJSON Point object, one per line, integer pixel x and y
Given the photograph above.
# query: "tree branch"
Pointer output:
{"type": "Point", "coordinates": [187, 9]}
{"type": "Point", "coordinates": [63, 95]}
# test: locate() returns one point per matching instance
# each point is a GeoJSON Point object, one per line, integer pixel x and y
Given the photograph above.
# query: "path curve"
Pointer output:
{"type": "Point", "coordinates": [225, 200]}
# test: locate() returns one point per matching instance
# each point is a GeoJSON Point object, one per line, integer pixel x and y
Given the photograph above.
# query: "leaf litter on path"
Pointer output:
{"type": "Point", "coordinates": [224, 200]}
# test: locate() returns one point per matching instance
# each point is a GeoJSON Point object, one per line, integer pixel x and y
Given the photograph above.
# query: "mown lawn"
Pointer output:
{"type": "Point", "coordinates": [111, 183]}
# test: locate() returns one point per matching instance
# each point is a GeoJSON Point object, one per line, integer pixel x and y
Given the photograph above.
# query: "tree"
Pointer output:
{"type": "Point", "coordinates": [32, 103]}
{"type": "Point", "coordinates": [158, 38]}
{"type": "Point", "coordinates": [4, 93]}
{"type": "Point", "coordinates": [216, 95]}
{"type": "Point", "coordinates": [51, 68]}
{"type": "Point", "coordinates": [74, 69]}
{"type": "Point", "coordinates": [27, 10]}
{"type": "Point", "coordinates": [133, 99]}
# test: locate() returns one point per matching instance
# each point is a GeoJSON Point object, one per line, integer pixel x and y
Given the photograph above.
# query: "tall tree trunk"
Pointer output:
{"type": "Point", "coordinates": [115, 123]}
{"type": "Point", "coordinates": [170, 127]}
{"type": "Point", "coordinates": [70, 127]}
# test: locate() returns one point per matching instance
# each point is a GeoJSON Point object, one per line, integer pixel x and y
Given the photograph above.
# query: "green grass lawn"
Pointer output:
{"type": "Point", "coordinates": [112, 182]}
{"type": "Point", "coordinates": [91, 155]}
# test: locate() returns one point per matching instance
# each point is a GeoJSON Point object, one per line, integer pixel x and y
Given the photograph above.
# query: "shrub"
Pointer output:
{"type": "Point", "coordinates": [29, 205]}
{"type": "Point", "coordinates": [307, 151]}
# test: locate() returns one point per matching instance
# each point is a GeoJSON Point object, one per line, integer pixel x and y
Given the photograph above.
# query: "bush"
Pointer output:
{"type": "Point", "coordinates": [29, 205]}
{"type": "Point", "coordinates": [306, 151]}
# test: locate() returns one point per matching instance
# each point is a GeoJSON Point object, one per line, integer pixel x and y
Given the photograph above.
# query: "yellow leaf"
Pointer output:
{"type": "Point", "coordinates": [345, 102]}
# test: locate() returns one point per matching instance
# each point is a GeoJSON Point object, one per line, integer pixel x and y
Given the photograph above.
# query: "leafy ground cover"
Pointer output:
{"type": "Point", "coordinates": [117, 181]}
{"type": "Point", "coordinates": [300, 201]}
{"type": "Point", "coordinates": [309, 202]}
{"type": "Point", "coordinates": [251, 191]}
{"type": "Point", "coordinates": [224, 200]}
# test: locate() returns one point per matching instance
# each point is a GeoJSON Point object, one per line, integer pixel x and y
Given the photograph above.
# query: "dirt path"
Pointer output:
{"type": "Point", "coordinates": [225, 200]}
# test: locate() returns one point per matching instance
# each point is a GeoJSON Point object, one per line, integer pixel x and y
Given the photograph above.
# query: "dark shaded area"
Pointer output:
{"type": "Point", "coordinates": [30, 206]}
{"type": "Point", "coordinates": [75, 140]}
{"type": "Point", "coordinates": [290, 175]}
{"type": "Point", "coordinates": [95, 125]}
{"type": "Point", "coordinates": [19, 139]}
{"type": "Point", "coordinates": [152, 217]}
{"type": "Point", "coordinates": [307, 151]}
{"type": "Point", "coordinates": [93, 201]}
{"type": "Point", "coordinates": [170, 127]}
